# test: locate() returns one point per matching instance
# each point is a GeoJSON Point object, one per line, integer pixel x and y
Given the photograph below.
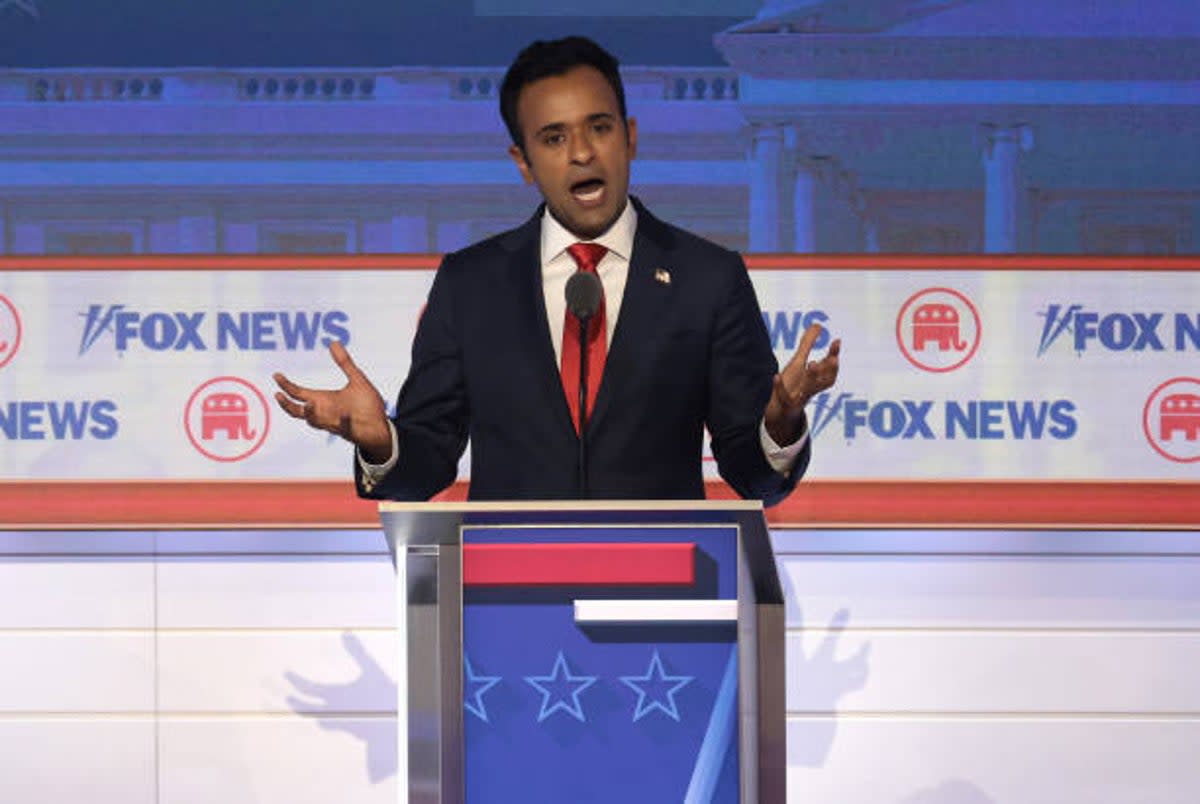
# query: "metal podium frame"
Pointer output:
{"type": "Point", "coordinates": [425, 542]}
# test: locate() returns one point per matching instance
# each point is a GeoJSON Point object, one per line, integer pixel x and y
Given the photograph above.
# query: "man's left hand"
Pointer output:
{"type": "Point", "coordinates": [799, 382]}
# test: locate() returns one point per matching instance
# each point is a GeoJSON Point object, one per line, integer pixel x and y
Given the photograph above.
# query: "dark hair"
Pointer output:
{"type": "Point", "coordinates": [556, 57]}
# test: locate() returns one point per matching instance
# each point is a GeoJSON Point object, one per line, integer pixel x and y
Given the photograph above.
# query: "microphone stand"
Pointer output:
{"type": "Point", "coordinates": [585, 296]}
{"type": "Point", "coordinates": [583, 396]}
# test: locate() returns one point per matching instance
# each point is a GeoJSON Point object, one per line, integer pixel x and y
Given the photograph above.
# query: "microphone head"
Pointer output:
{"type": "Point", "coordinates": [584, 294]}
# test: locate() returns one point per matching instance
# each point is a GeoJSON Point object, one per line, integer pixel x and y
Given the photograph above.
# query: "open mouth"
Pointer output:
{"type": "Point", "coordinates": [588, 191]}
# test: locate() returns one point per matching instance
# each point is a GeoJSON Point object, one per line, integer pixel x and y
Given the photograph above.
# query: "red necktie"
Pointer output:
{"type": "Point", "coordinates": [587, 257]}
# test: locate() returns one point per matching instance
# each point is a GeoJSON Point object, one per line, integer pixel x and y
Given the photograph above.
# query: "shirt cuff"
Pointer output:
{"type": "Point", "coordinates": [782, 459]}
{"type": "Point", "coordinates": [372, 473]}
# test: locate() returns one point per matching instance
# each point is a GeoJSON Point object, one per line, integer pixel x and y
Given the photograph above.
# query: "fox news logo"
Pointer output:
{"type": "Point", "coordinates": [258, 330]}
{"type": "Point", "coordinates": [59, 420]}
{"type": "Point", "coordinates": [975, 419]}
{"type": "Point", "coordinates": [1118, 331]}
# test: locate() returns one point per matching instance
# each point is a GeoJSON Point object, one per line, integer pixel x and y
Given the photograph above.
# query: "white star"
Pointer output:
{"type": "Point", "coordinates": [28, 6]}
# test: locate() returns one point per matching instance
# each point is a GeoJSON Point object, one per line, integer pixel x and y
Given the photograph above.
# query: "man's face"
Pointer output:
{"type": "Point", "coordinates": [577, 148]}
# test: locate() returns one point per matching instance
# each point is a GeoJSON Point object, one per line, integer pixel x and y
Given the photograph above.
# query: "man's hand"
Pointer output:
{"type": "Point", "coordinates": [799, 382]}
{"type": "Point", "coordinates": [355, 411]}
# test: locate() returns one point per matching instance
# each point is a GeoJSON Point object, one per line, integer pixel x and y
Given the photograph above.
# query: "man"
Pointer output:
{"type": "Point", "coordinates": [677, 346]}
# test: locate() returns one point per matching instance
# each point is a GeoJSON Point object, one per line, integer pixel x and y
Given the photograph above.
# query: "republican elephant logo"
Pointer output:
{"type": "Point", "coordinates": [936, 322]}
{"type": "Point", "coordinates": [938, 329]}
{"type": "Point", "coordinates": [10, 331]}
{"type": "Point", "coordinates": [1179, 413]}
{"type": "Point", "coordinates": [227, 419]}
{"type": "Point", "coordinates": [228, 413]}
{"type": "Point", "coordinates": [1171, 419]}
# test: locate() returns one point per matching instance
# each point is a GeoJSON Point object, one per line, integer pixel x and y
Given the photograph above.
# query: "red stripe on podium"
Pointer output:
{"type": "Point", "coordinates": [592, 564]}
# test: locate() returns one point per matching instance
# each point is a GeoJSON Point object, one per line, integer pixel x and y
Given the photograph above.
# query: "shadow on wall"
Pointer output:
{"type": "Point", "coordinates": [954, 791]}
{"type": "Point", "coordinates": [343, 707]}
{"type": "Point", "coordinates": [816, 682]}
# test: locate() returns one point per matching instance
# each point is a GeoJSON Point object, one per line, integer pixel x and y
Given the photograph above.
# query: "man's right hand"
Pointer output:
{"type": "Point", "coordinates": [355, 411]}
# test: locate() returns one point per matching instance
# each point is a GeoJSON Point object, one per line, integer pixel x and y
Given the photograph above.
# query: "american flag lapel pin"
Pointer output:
{"type": "Point", "coordinates": [662, 276]}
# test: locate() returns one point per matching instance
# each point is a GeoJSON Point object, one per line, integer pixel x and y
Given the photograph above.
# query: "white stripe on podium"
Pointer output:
{"type": "Point", "coordinates": [641, 612]}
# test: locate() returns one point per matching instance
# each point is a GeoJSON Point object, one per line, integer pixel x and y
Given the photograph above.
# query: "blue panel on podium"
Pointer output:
{"type": "Point", "coordinates": [640, 706]}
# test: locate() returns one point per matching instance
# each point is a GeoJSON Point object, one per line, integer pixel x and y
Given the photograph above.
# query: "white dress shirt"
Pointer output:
{"type": "Point", "coordinates": [557, 267]}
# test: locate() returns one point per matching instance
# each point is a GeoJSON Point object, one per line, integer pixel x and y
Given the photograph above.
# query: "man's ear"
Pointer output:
{"type": "Point", "coordinates": [631, 136]}
{"type": "Point", "coordinates": [518, 156]}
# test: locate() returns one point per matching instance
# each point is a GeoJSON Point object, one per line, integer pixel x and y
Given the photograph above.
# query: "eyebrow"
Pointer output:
{"type": "Point", "coordinates": [556, 127]}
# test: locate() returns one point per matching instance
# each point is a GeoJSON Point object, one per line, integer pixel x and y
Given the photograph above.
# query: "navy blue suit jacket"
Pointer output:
{"type": "Point", "coordinates": [685, 354]}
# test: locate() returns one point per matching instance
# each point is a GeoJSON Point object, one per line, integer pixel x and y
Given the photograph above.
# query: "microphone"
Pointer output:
{"type": "Point", "coordinates": [584, 295]}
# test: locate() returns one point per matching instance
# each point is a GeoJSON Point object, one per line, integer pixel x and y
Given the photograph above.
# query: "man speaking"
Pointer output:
{"type": "Point", "coordinates": [606, 394]}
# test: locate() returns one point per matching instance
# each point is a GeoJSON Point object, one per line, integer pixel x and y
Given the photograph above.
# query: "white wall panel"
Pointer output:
{"type": "Point", "coordinates": [994, 591]}
{"type": "Point", "coordinates": [992, 667]}
{"type": "Point", "coordinates": [77, 671]}
{"type": "Point", "coordinates": [276, 592]}
{"type": "Point", "coordinates": [993, 761]}
{"type": "Point", "coordinates": [277, 672]}
{"type": "Point", "coordinates": [993, 672]}
{"type": "Point", "coordinates": [60, 760]}
{"type": "Point", "coordinates": [296, 760]}
{"type": "Point", "coordinates": [76, 592]}
{"type": "Point", "coordinates": [942, 668]}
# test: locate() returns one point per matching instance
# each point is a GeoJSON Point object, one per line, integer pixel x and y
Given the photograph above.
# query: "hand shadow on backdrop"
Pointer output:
{"type": "Point", "coordinates": [817, 681]}
{"type": "Point", "coordinates": [353, 707]}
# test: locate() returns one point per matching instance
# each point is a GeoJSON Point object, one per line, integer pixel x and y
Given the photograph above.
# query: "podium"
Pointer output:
{"type": "Point", "coordinates": [581, 651]}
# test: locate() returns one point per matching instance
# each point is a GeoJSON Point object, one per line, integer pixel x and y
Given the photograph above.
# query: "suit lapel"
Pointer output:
{"type": "Point", "coordinates": [532, 323]}
{"type": "Point", "coordinates": [642, 308]}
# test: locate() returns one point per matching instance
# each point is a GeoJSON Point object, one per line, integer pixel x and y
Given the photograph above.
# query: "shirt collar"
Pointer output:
{"type": "Point", "coordinates": [618, 238]}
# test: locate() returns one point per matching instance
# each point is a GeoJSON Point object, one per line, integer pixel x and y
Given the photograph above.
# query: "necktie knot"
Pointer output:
{"type": "Point", "coordinates": [587, 255]}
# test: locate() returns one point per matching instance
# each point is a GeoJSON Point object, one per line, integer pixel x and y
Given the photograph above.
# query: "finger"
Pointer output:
{"type": "Point", "coordinates": [788, 397]}
{"type": "Point", "coordinates": [800, 358]}
{"type": "Point", "coordinates": [291, 389]}
{"type": "Point", "coordinates": [832, 360]}
{"type": "Point", "coordinates": [831, 356]}
{"type": "Point", "coordinates": [345, 362]}
{"type": "Point", "coordinates": [827, 367]}
{"type": "Point", "coordinates": [823, 372]}
{"type": "Point", "coordinates": [292, 408]}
